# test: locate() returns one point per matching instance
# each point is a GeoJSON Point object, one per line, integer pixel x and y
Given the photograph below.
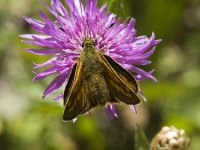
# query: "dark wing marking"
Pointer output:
{"type": "Point", "coordinates": [118, 86]}
{"type": "Point", "coordinates": [69, 84]}
{"type": "Point", "coordinates": [125, 75]}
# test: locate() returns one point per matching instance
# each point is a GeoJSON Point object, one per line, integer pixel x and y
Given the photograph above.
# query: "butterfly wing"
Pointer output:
{"type": "Point", "coordinates": [76, 97]}
{"type": "Point", "coordinates": [119, 81]}
{"type": "Point", "coordinates": [125, 75]}
{"type": "Point", "coordinates": [69, 83]}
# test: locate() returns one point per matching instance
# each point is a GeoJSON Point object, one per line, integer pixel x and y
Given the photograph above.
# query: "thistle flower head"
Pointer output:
{"type": "Point", "coordinates": [170, 138]}
{"type": "Point", "coordinates": [62, 39]}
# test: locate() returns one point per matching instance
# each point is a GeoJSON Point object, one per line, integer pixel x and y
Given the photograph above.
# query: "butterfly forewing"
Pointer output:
{"type": "Point", "coordinates": [69, 83]}
{"type": "Point", "coordinates": [76, 96]}
{"type": "Point", "coordinates": [119, 86]}
{"type": "Point", "coordinates": [125, 75]}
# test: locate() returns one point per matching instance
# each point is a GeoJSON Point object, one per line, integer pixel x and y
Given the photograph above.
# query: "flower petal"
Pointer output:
{"type": "Point", "coordinates": [143, 73]}
{"type": "Point", "coordinates": [45, 73]}
{"type": "Point", "coordinates": [47, 63]}
{"type": "Point", "coordinates": [142, 95]}
{"type": "Point", "coordinates": [56, 83]}
{"type": "Point", "coordinates": [43, 51]}
{"type": "Point", "coordinates": [111, 111]}
{"type": "Point", "coordinates": [133, 108]}
{"type": "Point", "coordinates": [59, 96]}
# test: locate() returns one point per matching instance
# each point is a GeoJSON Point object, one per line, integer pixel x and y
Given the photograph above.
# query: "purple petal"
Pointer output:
{"type": "Point", "coordinates": [133, 108]}
{"type": "Point", "coordinates": [36, 24]}
{"type": "Point", "coordinates": [46, 43]}
{"type": "Point", "coordinates": [157, 41]}
{"type": "Point", "coordinates": [59, 6]}
{"type": "Point", "coordinates": [43, 51]}
{"type": "Point", "coordinates": [59, 96]}
{"type": "Point", "coordinates": [45, 73]}
{"type": "Point", "coordinates": [142, 95]}
{"type": "Point", "coordinates": [143, 73]}
{"type": "Point", "coordinates": [33, 42]}
{"type": "Point", "coordinates": [111, 111]}
{"type": "Point", "coordinates": [30, 36]}
{"type": "Point", "coordinates": [53, 12]}
{"type": "Point", "coordinates": [143, 46]}
{"type": "Point", "coordinates": [79, 6]}
{"type": "Point", "coordinates": [47, 63]}
{"type": "Point", "coordinates": [138, 59]}
{"type": "Point", "coordinates": [55, 84]}
{"type": "Point", "coordinates": [140, 77]}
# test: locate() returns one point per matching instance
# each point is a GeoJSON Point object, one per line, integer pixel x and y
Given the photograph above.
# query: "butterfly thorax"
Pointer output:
{"type": "Point", "coordinates": [90, 58]}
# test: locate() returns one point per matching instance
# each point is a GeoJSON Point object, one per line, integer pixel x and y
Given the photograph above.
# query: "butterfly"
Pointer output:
{"type": "Point", "coordinates": [97, 80]}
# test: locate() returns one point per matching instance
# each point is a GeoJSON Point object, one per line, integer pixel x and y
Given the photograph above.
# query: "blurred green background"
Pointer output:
{"type": "Point", "coordinates": [28, 122]}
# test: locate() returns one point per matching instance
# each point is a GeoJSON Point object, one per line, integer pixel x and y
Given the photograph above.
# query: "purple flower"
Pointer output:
{"type": "Point", "coordinates": [62, 38]}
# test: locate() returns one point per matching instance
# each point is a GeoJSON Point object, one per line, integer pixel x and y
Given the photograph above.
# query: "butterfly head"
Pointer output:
{"type": "Point", "coordinates": [88, 42]}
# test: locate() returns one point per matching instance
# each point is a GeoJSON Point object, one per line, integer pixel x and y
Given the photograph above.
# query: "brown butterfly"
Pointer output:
{"type": "Point", "coordinates": [96, 79]}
